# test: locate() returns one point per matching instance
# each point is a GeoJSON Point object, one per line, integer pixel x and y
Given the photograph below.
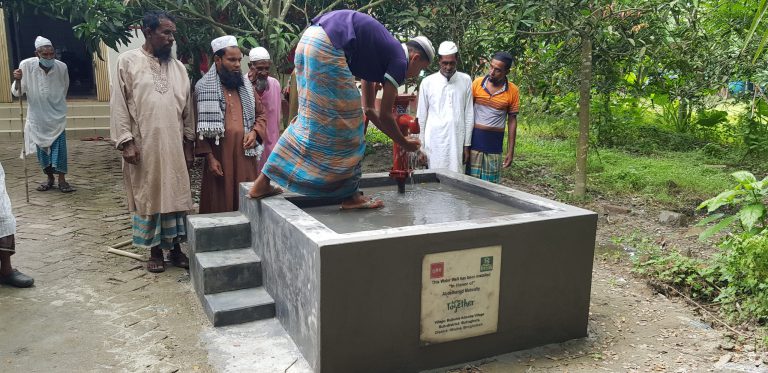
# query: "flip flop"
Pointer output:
{"type": "Point", "coordinates": [274, 192]}
{"type": "Point", "coordinates": [45, 186]}
{"type": "Point", "coordinates": [367, 205]}
{"type": "Point", "coordinates": [66, 188]}
{"type": "Point", "coordinates": [155, 265]}
{"type": "Point", "coordinates": [178, 259]}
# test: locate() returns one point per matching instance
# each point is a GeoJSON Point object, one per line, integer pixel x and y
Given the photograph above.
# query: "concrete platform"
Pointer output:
{"type": "Point", "coordinates": [351, 302]}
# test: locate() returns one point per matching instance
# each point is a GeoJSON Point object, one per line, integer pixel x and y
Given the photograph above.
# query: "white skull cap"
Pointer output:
{"type": "Point", "coordinates": [447, 48]}
{"type": "Point", "coordinates": [258, 54]}
{"type": "Point", "coordinates": [223, 42]}
{"type": "Point", "coordinates": [427, 46]}
{"type": "Point", "coordinates": [41, 42]}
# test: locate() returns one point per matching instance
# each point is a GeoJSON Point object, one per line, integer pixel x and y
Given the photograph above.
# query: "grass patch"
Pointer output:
{"type": "Point", "coordinates": [545, 154]}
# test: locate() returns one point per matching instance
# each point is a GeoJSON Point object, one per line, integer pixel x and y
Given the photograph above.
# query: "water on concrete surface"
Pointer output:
{"type": "Point", "coordinates": [427, 203]}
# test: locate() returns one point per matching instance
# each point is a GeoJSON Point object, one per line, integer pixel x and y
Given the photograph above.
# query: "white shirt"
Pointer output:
{"type": "Point", "coordinates": [7, 221]}
{"type": "Point", "coordinates": [446, 118]}
{"type": "Point", "coordinates": [46, 102]}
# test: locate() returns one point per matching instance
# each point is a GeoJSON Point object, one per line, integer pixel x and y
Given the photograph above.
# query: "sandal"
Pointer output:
{"type": "Point", "coordinates": [66, 188]}
{"type": "Point", "coordinates": [179, 259]}
{"type": "Point", "coordinates": [17, 279]}
{"type": "Point", "coordinates": [155, 264]}
{"type": "Point", "coordinates": [45, 186]}
{"type": "Point", "coordinates": [273, 192]}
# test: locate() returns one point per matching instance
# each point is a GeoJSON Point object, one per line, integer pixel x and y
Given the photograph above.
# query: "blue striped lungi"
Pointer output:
{"type": "Point", "coordinates": [319, 154]}
{"type": "Point", "coordinates": [163, 230]}
{"type": "Point", "coordinates": [55, 156]}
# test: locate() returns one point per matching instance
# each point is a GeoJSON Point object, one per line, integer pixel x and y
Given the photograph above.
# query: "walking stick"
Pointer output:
{"type": "Point", "coordinates": [23, 141]}
{"type": "Point", "coordinates": [21, 110]}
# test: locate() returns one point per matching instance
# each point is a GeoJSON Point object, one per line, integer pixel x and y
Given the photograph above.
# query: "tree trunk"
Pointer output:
{"type": "Point", "coordinates": [585, 88]}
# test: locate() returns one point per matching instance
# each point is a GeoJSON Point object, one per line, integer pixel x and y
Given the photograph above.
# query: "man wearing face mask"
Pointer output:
{"type": "Point", "coordinates": [152, 124]}
{"type": "Point", "coordinates": [45, 81]}
{"type": "Point", "coordinates": [268, 92]}
{"type": "Point", "coordinates": [228, 118]}
{"type": "Point", "coordinates": [445, 113]}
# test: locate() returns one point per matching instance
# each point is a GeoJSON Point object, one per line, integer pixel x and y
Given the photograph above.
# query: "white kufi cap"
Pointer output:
{"type": "Point", "coordinates": [223, 42]}
{"type": "Point", "coordinates": [258, 54]}
{"type": "Point", "coordinates": [41, 42]}
{"type": "Point", "coordinates": [427, 46]}
{"type": "Point", "coordinates": [447, 48]}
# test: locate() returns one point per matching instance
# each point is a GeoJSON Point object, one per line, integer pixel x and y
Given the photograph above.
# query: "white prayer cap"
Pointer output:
{"type": "Point", "coordinates": [447, 48]}
{"type": "Point", "coordinates": [426, 45]}
{"type": "Point", "coordinates": [223, 42]}
{"type": "Point", "coordinates": [258, 54]}
{"type": "Point", "coordinates": [41, 42]}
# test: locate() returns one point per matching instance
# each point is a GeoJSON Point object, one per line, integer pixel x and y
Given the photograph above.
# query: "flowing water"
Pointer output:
{"type": "Point", "coordinates": [426, 203]}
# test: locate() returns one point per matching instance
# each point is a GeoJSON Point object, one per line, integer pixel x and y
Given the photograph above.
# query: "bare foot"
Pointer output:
{"type": "Point", "coordinates": [358, 201]}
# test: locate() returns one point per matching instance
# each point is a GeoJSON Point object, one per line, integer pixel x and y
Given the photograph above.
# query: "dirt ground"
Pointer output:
{"type": "Point", "coordinates": [632, 327]}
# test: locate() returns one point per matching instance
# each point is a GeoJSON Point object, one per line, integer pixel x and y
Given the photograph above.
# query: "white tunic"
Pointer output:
{"type": "Point", "coordinates": [446, 119]}
{"type": "Point", "coordinates": [46, 102]}
{"type": "Point", "coordinates": [7, 221]}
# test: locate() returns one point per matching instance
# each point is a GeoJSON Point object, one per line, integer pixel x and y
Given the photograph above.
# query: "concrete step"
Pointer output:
{"type": "Point", "coordinates": [80, 109]}
{"type": "Point", "coordinates": [239, 306]}
{"type": "Point", "coordinates": [226, 270]}
{"type": "Point", "coordinates": [222, 231]}
{"type": "Point", "coordinates": [73, 122]}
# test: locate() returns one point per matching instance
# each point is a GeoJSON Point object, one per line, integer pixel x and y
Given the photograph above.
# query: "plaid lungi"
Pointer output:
{"type": "Point", "coordinates": [485, 166]}
{"type": "Point", "coordinates": [55, 156]}
{"type": "Point", "coordinates": [319, 154]}
{"type": "Point", "coordinates": [164, 230]}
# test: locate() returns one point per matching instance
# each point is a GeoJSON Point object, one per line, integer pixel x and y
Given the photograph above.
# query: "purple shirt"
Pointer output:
{"type": "Point", "coordinates": [372, 52]}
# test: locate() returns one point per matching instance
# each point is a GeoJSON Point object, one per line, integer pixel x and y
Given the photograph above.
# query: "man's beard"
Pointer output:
{"type": "Point", "coordinates": [261, 84]}
{"type": "Point", "coordinates": [163, 54]}
{"type": "Point", "coordinates": [496, 81]}
{"type": "Point", "coordinates": [448, 75]}
{"type": "Point", "coordinates": [230, 79]}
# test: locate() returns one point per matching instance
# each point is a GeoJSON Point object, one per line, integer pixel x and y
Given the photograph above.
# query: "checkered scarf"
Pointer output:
{"type": "Point", "coordinates": [211, 107]}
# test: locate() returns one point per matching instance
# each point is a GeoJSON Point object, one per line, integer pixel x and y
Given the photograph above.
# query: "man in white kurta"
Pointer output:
{"type": "Point", "coordinates": [152, 123]}
{"type": "Point", "coordinates": [445, 113]}
{"type": "Point", "coordinates": [9, 275]}
{"type": "Point", "coordinates": [45, 81]}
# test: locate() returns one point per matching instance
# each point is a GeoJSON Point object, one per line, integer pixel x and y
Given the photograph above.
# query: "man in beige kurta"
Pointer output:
{"type": "Point", "coordinates": [152, 123]}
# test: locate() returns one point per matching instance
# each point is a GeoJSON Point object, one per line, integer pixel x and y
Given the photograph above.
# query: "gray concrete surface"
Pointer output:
{"type": "Point", "coordinates": [352, 301]}
{"type": "Point", "coordinates": [90, 310]}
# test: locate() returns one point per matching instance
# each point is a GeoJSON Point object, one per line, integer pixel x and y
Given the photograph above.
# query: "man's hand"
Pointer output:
{"type": "Point", "coordinates": [131, 153]}
{"type": "Point", "coordinates": [214, 166]}
{"type": "Point", "coordinates": [188, 150]}
{"type": "Point", "coordinates": [411, 144]}
{"type": "Point", "coordinates": [17, 74]}
{"type": "Point", "coordinates": [508, 160]}
{"type": "Point", "coordinates": [422, 158]}
{"type": "Point", "coordinates": [249, 140]}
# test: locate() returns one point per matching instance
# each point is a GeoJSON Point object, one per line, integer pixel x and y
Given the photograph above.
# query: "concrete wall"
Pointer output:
{"type": "Point", "coordinates": [351, 302]}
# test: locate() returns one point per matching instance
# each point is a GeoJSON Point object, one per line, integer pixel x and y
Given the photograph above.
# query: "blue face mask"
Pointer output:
{"type": "Point", "coordinates": [46, 63]}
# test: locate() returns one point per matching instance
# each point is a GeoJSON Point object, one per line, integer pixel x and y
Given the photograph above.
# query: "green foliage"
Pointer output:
{"type": "Point", "coordinates": [746, 198]}
{"type": "Point", "coordinates": [743, 265]}
{"type": "Point", "coordinates": [754, 127]}
{"type": "Point", "coordinates": [690, 275]}
{"type": "Point", "coordinates": [736, 278]}
{"type": "Point", "coordinates": [93, 21]}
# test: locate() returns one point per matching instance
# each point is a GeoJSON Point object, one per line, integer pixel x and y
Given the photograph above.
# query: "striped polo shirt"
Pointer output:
{"type": "Point", "coordinates": [492, 109]}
